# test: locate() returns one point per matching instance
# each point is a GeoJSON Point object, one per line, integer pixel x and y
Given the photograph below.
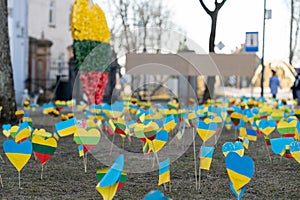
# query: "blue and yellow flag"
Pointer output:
{"type": "Point", "coordinates": [66, 128]}
{"type": "Point", "coordinates": [206, 154]}
{"type": "Point", "coordinates": [164, 172]}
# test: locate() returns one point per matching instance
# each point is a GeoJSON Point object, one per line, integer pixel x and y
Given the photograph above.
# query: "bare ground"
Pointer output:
{"type": "Point", "coordinates": [64, 176]}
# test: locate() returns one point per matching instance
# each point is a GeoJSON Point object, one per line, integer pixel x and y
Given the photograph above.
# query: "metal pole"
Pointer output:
{"type": "Point", "coordinates": [263, 52]}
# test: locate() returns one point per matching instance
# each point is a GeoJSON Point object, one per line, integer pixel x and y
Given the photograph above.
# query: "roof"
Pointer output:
{"type": "Point", "coordinates": [192, 64]}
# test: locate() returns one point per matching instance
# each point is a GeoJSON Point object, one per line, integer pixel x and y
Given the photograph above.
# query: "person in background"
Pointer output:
{"type": "Point", "coordinates": [274, 84]}
{"type": "Point", "coordinates": [296, 88]}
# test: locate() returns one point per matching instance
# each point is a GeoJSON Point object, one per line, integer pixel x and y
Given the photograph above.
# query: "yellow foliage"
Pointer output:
{"type": "Point", "coordinates": [89, 22]}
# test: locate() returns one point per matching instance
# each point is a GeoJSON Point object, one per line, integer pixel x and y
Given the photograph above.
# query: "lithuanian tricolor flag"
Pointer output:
{"type": "Point", "coordinates": [287, 129]}
{"type": "Point", "coordinates": [43, 149]}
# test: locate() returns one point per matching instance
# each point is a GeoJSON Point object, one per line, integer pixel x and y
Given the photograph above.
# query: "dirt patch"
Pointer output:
{"type": "Point", "coordinates": [64, 176]}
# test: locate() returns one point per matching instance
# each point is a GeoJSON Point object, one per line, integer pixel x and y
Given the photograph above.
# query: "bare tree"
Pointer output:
{"type": "Point", "coordinates": [131, 17]}
{"type": "Point", "coordinates": [7, 92]}
{"type": "Point", "coordinates": [209, 89]}
{"type": "Point", "coordinates": [294, 28]}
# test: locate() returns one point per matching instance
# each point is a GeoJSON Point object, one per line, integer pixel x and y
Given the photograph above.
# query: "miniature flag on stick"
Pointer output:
{"type": "Point", "coordinates": [66, 128]}
{"type": "Point", "coordinates": [245, 142]}
{"type": "Point", "coordinates": [250, 134]}
{"type": "Point", "coordinates": [206, 154]}
{"type": "Point", "coordinates": [267, 139]}
{"type": "Point", "coordinates": [80, 150]}
{"type": "Point", "coordinates": [164, 172]}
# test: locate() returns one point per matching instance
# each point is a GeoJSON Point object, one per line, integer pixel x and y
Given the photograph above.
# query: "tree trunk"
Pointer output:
{"type": "Point", "coordinates": [210, 83]}
{"type": "Point", "coordinates": [291, 54]}
{"type": "Point", "coordinates": [7, 92]}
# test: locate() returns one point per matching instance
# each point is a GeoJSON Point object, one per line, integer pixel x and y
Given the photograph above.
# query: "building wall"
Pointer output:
{"type": "Point", "coordinates": [58, 31]}
{"type": "Point", "coordinates": [18, 38]}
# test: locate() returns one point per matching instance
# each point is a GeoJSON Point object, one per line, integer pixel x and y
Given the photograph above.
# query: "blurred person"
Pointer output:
{"type": "Point", "coordinates": [274, 84]}
{"type": "Point", "coordinates": [296, 88]}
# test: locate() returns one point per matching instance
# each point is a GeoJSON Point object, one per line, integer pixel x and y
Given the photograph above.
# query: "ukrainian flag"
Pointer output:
{"type": "Point", "coordinates": [66, 128]}
{"type": "Point", "coordinates": [80, 150]}
{"type": "Point", "coordinates": [169, 123]}
{"type": "Point", "coordinates": [206, 154]}
{"type": "Point", "coordinates": [164, 172]}
{"type": "Point", "coordinates": [248, 133]}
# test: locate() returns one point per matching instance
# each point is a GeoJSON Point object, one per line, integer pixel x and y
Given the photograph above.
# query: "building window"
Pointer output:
{"type": "Point", "coordinates": [52, 13]}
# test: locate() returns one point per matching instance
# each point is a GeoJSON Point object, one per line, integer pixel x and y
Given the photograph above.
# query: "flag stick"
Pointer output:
{"type": "Point", "coordinates": [267, 149]}
{"type": "Point", "coordinates": [42, 172]}
{"type": "Point", "coordinates": [19, 180]}
{"type": "Point", "coordinates": [268, 152]}
{"type": "Point", "coordinates": [85, 162]}
{"type": "Point", "coordinates": [1, 181]}
{"type": "Point", "coordinates": [165, 187]}
{"type": "Point", "coordinates": [155, 153]}
{"type": "Point", "coordinates": [199, 183]}
{"type": "Point", "coordinates": [2, 159]}
{"type": "Point", "coordinates": [112, 143]}
{"type": "Point", "coordinates": [195, 162]}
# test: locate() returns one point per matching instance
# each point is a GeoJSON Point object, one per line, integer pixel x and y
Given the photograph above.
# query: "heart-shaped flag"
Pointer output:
{"type": "Point", "coordinates": [238, 193]}
{"type": "Point", "coordinates": [43, 149]}
{"type": "Point", "coordinates": [206, 130]}
{"type": "Point", "coordinates": [267, 126]}
{"type": "Point", "coordinates": [150, 130]}
{"type": "Point", "coordinates": [6, 130]}
{"type": "Point", "coordinates": [287, 129]}
{"type": "Point", "coordinates": [236, 118]}
{"type": "Point", "coordinates": [277, 115]}
{"type": "Point", "coordinates": [240, 170]}
{"type": "Point", "coordinates": [192, 118]}
{"type": "Point", "coordinates": [18, 154]}
{"type": "Point", "coordinates": [295, 150]}
{"type": "Point", "coordinates": [161, 138]}
{"type": "Point", "coordinates": [89, 139]}
{"type": "Point", "coordinates": [41, 132]}
{"type": "Point", "coordinates": [278, 144]}
{"type": "Point", "coordinates": [237, 147]}
{"type": "Point", "coordinates": [23, 132]}
{"type": "Point", "coordinates": [13, 131]}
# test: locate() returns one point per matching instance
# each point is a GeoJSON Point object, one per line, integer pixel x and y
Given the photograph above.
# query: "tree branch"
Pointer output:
{"type": "Point", "coordinates": [219, 5]}
{"type": "Point", "coordinates": [205, 7]}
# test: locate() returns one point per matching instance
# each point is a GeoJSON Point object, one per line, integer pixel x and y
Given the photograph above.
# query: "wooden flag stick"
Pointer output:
{"type": "Point", "coordinates": [19, 180]}
{"type": "Point", "coordinates": [155, 153]}
{"type": "Point", "coordinates": [199, 183]}
{"type": "Point", "coordinates": [1, 181]}
{"type": "Point", "coordinates": [268, 151]}
{"type": "Point", "coordinates": [42, 172]}
{"type": "Point", "coordinates": [85, 162]}
{"type": "Point", "coordinates": [195, 162]}
{"type": "Point", "coordinates": [112, 143]}
{"type": "Point", "coordinates": [2, 159]}
{"type": "Point", "coordinates": [165, 187]}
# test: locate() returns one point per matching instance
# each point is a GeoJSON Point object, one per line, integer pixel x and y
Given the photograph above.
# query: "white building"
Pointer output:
{"type": "Point", "coordinates": [34, 19]}
{"type": "Point", "coordinates": [51, 18]}
{"type": "Point", "coordinates": [18, 38]}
